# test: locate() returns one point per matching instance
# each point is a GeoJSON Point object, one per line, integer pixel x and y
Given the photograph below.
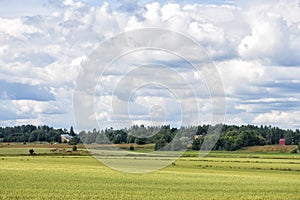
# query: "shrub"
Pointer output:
{"type": "Point", "coordinates": [74, 148]}
{"type": "Point", "coordinates": [131, 148]}
{"type": "Point", "coordinates": [196, 145]}
{"type": "Point", "coordinates": [294, 150]}
{"type": "Point", "coordinates": [31, 151]}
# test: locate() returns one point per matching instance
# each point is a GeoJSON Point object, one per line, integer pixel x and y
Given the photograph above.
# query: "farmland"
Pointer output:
{"type": "Point", "coordinates": [220, 175]}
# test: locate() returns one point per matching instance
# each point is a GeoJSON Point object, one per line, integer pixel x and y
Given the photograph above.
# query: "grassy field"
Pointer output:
{"type": "Point", "coordinates": [269, 148]}
{"type": "Point", "coordinates": [221, 175]}
{"type": "Point", "coordinates": [62, 148]}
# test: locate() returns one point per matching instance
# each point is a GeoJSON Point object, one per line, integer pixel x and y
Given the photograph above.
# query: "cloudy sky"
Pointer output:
{"type": "Point", "coordinates": [254, 45]}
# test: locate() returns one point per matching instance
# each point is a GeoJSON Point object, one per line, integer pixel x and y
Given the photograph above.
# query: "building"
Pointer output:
{"type": "Point", "coordinates": [65, 138]}
{"type": "Point", "coordinates": [1, 139]}
{"type": "Point", "coordinates": [282, 142]}
{"type": "Point", "coordinates": [197, 137]}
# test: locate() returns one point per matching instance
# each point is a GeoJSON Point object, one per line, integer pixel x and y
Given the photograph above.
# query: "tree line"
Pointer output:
{"type": "Point", "coordinates": [31, 133]}
{"type": "Point", "coordinates": [235, 137]}
{"type": "Point", "coordinates": [224, 137]}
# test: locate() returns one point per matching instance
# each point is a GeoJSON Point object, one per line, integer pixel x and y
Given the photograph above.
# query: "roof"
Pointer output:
{"type": "Point", "coordinates": [66, 136]}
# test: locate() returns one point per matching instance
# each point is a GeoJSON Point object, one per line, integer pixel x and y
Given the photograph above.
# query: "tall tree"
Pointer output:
{"type": "Point", "coordinates": [72, 133]}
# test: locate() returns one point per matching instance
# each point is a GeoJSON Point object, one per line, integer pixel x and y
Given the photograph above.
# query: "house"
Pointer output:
{"type": "Point", "coordinates": [282, 142]}
{"type": "Point", "coordinates": [197, 137]}
{"type": "Point", "coordinates": [65, 138]}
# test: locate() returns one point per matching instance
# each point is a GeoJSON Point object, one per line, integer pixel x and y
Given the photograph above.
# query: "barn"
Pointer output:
{"type": "Point", "coordinates": [282, 142]}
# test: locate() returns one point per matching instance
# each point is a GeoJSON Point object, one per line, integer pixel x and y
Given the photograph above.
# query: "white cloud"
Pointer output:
{"type": "Point", "coordinates": [274, 33]}
{"type": "Point", "coordinates": [16, 28]}
{"type": "Point", "coordinates": [283, 119]}
{"type": "Point", "coordinates": [241, 77]}
{"type": "Point", "coordinates": [71, 3]}
{"type": "Point", "coordinates": [268, 39]}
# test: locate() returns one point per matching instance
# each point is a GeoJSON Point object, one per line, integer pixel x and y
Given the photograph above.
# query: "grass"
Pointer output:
{"type": "Point", "coordinates": [23, 151]}
{"type": "Point", "coordinates": [20, 149]}
{"type": "Point", "coordinates": [221, 175]}
{"type": "Point", "coordinates": [63, 148]}
{"type": "Point", "coordinates": [38, 145]}
{"type": "Point", "coordinates": [269, 148]}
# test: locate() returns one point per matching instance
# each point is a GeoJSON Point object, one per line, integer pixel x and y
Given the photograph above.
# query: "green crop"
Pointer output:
{"type": "Point", "coordinates": [83, 177]}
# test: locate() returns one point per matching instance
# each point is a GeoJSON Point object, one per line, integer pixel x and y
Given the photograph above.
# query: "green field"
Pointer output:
{"type": "Point", "coordinates": [221, 175]}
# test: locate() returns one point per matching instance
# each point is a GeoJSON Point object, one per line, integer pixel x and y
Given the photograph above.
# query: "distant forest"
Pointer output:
{"type": "Point", "coordinates": [31, 133]}
{"type": "Point", "coordinates": [225, 137]}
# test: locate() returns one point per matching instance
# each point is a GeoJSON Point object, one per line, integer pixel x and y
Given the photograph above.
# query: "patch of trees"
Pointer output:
{"type": "Point", "coordinates": [228, 137]}
{"type": "Point", "coordinates": [31, 133]}
{"type": "Point", "coordinates": [235, 137]}
{"type": "Point", "coordinates": [164, 137]}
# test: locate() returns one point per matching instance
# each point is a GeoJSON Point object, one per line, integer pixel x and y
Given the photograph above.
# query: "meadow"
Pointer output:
{"type": "Point", "coordinates": [220, 175]}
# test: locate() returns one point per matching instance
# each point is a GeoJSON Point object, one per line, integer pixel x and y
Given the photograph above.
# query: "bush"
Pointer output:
{"type": "Point", "coordinates": [294, 150]}
{"type": "Point", "coordinates": [196, 145]}
{"type": "Point", "coordinates": [73, 141]}
{"type": "Point", "coordinates": [131, 148]}
{"type": "Point", "coordinates": [140, 141]}
{"type": "Point", "coordinates": [160, 144]}
{"type": "Point", "coordinates": [74, 148]}
{"type": "Point", "coordinates": [31, 151]}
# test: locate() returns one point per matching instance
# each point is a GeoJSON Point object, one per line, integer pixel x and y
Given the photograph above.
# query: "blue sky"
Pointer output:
{"type": "Point", "coordinates": [253, 44]}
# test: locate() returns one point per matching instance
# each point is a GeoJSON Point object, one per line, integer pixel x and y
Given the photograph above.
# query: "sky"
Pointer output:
{"type": "Point", "coordinates": [253, 45]}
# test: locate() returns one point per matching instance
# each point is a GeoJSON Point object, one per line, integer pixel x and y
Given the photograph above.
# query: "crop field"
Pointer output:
{"type": "Point", "coordinates": [220, 175]}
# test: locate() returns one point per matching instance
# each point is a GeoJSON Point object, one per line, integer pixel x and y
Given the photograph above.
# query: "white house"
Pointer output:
{"type": "Point", "coordinates": [65, 137]}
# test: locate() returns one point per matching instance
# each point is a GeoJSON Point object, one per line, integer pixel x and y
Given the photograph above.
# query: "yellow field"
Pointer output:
{"type": "Point", "coordinates": [223, 175]}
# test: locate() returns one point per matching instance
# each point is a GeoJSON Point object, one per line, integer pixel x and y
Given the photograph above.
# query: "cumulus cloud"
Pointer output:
{"type": "Point", "coordinates": [272, 41]}
{"type": "Point", "coordinates": [273, 34]}
{"type": "Point", "coordinates": [283, 119]}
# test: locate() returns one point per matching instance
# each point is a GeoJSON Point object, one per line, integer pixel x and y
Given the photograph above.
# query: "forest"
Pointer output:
{"type": "Point", "coordinates": [31, 133]}
{"type": "Point", "coordinates": [225, 137]}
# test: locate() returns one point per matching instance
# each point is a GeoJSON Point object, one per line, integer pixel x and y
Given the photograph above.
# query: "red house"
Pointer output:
{"type": "Point", "coordinates": [282, 142]}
